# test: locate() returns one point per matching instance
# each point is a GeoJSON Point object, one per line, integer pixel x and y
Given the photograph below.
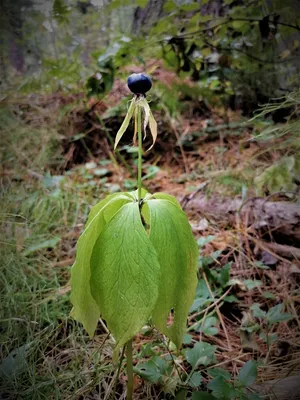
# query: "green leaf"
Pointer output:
{"type": "Point", "coordinates": [181, 395]}
{"type": "Point", "coordinates": [231, 299]}
{"type": "Point", "coordinates": [125, 123]}
{"type": "Point", "coordinates": [60, 11]}
{"type": "Point", "coordinates": [225, 274]}
{"type": "Point", "coordinates": [15, 363]}
{"type": "Point", "coordinates": [257, 311]}
{"type": "Point", "coordinates": [214, 372]}
{"type": "Point", "coordinates": [202, 241]}
{"type": "Point", "coordinates": [252, 284]}
{"type": "Point", "coordinates": [248, 373]}
{"type": "Point", "coordinates": [187, 339]}
{"type": "Point", "coordinates": [272, 337]}
{"type": "Point", "coordinates": [170, 6]}
{"type": "Point", "coordinates": [45, 244]}
{"type": "Point", "coordinates": [201, 354]}
{"type": "Point", "coordinates": [141, 3]}
{"type": "Point", "coordinates": [166, 196]}
{"type": "Point", "coordinates": [195, 379]}
{"type": "Point", "coordinates": [125, 274]}
{"type": "Point", "coordinates": [172, 238]}
{"type": "Point", "coordinates": [190, 7]}
{"type": "Point", "coordinates": [85, 308]}
{"type": "Point", "coordinates": [221, 388]}
{"type": "Point", "coordinates": [208, 327]}
{"type": "Point", "coordinates": [154, 370]}
{"type": "Point", "coordinates": [95, 210]}
{"type": "Point", "coordinates": [275, 315]}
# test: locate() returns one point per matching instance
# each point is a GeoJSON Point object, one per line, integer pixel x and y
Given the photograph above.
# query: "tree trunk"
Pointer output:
{"type": "Point", "coordinates": [144, 18]}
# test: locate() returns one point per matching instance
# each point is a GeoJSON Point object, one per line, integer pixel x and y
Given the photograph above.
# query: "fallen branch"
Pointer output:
{"type": "Point", "coordinates": [282, 250]}
{"type": "Point", "coordinates": [280, 217]}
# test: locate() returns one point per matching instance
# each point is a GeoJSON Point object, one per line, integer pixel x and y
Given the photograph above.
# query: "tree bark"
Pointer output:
{"type": "Point", "coordinates": [279, 218]}
{"type": "Point", "coordinates": [144, 18]}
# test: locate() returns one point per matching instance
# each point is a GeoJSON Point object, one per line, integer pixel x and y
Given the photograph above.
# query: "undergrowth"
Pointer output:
{"type": "Point", "coordinates": [45, 354]}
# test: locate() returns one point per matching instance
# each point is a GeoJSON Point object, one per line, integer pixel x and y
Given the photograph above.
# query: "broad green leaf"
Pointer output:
{"type": "Point", "coordinates": [187, 339]}
{"type": "Point", "coordinates": [146, 213]}
{"type": "Point", "coordinates": [195, 379]}
{"type": "Point", "coordinates": [85, 308]}
{"type": "Point", "coordinates": [208, 327]}
{"type": "Point", "coordinates": [202, 241]}
{"type": "Point", "coordinates": [214, 372]}
{"type": "Point", "coordinates": [257, 311]}
{"type": "Point", "coordinates": [172, 238]}
{"type": "Point", "coordinates": [154, 370]}
{"type": "Point", "coordinates": [166, 196]}
{"type": "Point", "coordinates": [201, 354]}
{"type": "Point", "coordinates": [275, 315]}
{"type": "Point", "coordinates": [125, 123]}
{"type": "Point", "coordinates": [248, 373]}
{"type": "Point", "coordinates": [225, 275]}
{"type": "Point", "coordinates": [95, 210]}
{"type": "Point", "coordinates": [144, 194]}
{"type": "Point", "coordinates": [231, 299]}
{"type": "Point", "coordinates": [269, 295]}
{"type": "Point", "coordinates": [181, 395]}
{"type": "Point", "coordinates": [125, 274]}
{"type": "Point", "coordinates": [221, 388]}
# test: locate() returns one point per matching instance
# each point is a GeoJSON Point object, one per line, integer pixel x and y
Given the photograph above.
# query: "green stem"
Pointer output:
{"type": "Point", "coordinates": [118, 371]}
{"type": "Point", "coordinates": [129, 370]}
{"type": "Point", "coordinates": [140, 153]}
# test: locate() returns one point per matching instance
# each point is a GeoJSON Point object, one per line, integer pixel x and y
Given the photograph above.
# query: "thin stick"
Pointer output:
{"type": "Point", "coordinates": [213, 305]}
{"type": "Point", "coordinates": [218, 312]}
{"type": "Point", "coordinates": [129, 367]}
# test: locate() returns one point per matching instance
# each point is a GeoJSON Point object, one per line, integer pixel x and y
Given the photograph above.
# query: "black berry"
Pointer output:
{"type": "Point", "coordinates": [139, 83]}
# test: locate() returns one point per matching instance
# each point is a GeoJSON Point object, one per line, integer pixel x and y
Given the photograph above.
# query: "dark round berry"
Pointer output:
{"type": "Point", "coordinates": [139, 83]}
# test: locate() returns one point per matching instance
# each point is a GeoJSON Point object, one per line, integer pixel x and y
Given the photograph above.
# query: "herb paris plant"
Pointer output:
{"type": "Point", "coordinates": [137, 257]}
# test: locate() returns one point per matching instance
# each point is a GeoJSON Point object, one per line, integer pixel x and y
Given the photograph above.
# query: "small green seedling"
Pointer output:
{"type": "Point", "coordinates": [137, 258]}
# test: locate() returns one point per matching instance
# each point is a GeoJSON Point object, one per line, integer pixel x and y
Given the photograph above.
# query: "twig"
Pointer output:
{"type": "Point", "coordinates": [214, 304]}
{"type": "Point", "coordinates": [272, 247]}
{"type": "Point", "coordinates": [218, 312]}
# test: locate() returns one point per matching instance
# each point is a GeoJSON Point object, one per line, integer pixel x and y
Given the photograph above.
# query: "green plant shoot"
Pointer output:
{"type": "Point", "coordinates": [136, 259]}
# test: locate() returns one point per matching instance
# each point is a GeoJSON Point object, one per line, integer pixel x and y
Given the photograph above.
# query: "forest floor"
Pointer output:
{"type": "Point", "coordinates": [58, 162]}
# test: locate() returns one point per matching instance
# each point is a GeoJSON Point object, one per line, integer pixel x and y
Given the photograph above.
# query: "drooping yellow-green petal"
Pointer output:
{"type": "Point", "coordinates": [125, 123]}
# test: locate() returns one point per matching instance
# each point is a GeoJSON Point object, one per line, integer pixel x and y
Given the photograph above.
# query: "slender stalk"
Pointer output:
{"type": "Point", "coordinates": [118, 371]}
{"type": "Point", "coordinates": [129, 370]}
{"type": "Point", "coordinates": [139, 130]}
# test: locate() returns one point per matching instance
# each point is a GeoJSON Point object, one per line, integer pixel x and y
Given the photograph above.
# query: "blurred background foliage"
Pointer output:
{"type": "Point", "coordinates": [241, 53]}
